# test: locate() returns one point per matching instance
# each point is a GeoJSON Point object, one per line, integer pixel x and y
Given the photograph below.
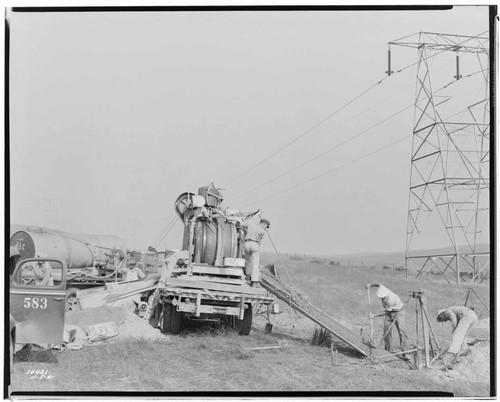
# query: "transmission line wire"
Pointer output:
{"type": "Point", "coordinates": [303, 133]}
{"type": "Point", "coordinates": [375, 105]}
{"type": "Point", "coordinates": [325, 152]}
{"type": "Point", "coordinates": [323, 120]}
{"type": "Point", "coordinates": [343, 143]}
{"type": "Point", "coordinates": [334, 169]}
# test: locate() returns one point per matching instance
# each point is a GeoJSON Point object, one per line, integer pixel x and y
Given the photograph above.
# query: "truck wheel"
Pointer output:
{"type": "Point", "coordinates": [245, 325]}
{"type": "Point", "coordinates": [71, 300]}
{"type": "Point", "coordinates": [171, 322]}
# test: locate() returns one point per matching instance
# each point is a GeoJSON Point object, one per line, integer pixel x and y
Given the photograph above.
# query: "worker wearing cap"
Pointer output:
{"type": "Point", "coordinates": [393, 313]}
{"type": "Point", "coordinates": [255, 232]}
{"type": "Point", "coordinates": [462, 319]}
{"type": "Point", "coordinates": [133, 273]}
{"type": "Point", "coordinates": [43, 272]}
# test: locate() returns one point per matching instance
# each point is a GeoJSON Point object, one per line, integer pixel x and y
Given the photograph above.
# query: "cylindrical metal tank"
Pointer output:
{"type": "Point", "coordinates": [77, 250]}
{"type": "Point", "coordinates": [214, 240]}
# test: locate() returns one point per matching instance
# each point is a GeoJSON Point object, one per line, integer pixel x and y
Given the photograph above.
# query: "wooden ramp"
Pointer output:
{"type": "Point", "coordinates": [290, 296]}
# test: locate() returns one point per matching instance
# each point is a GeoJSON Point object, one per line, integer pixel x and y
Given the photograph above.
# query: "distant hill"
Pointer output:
{"type": "Point", "coordinates": [380, 258]}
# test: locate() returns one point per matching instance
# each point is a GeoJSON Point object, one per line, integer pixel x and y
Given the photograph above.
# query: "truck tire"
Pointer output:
{"type": "Point", "coordinates": [245, 325]}
{"type": "Point", "coordinates": [171, 322]}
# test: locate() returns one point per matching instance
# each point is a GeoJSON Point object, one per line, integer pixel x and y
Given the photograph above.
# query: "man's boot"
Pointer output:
{"type": "Point", "coordinates": [448, 360]}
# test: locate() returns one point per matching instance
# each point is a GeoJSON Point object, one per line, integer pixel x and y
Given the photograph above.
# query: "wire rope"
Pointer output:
{"type": "Point", "coordinates": [340, 144]}
{"type": "Point", "coordinates": [325, 152]}
{"type": "Point", "coordinates": [303, 134]}
{"type": "Point", "coordinates": [157, 240]}
{"type": "Point", "coordinates": [335, 169]}
{"type": "Point", "coordinates": [323, 120]}
{"type": "Point", "coordinates": [171, 226]}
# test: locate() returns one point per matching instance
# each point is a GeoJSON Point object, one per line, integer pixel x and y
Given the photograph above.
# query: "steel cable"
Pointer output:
{"type": "Point", "coordinates": [336, 168]}
{"type": "Point", "coordinates": [343, 143]}
{"type": "Point", "coordinates": [324, 153]}
{"type": "Point", "coordinates": [323, 120]}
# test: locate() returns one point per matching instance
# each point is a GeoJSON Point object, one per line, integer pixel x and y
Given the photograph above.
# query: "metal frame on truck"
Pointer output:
{"type": "Point", "coordinates": [206, 280]}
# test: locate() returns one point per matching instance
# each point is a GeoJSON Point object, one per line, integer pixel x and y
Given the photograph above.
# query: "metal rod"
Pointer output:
{"type": "Point", "coordinates": [425, 330]}
{"type": "Point", "coordinates": [397, 353]}
{"type": "Point", "coordinates": [418, 338]}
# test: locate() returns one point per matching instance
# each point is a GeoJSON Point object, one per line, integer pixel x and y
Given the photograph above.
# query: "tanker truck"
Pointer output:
{"type": "Point", "coordinates": [91, 260]}
{"type": "Point", "coordinates": [205, 281]}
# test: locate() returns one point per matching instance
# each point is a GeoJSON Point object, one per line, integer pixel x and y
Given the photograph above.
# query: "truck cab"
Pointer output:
{"type": "Point", "coordinates": [37, 301]}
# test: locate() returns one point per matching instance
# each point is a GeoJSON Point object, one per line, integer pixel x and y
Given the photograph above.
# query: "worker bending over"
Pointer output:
{"type": "Point", "coordinates": [393, 313]}
{"type": "Point", "coordinates": [462, 319]}
{"type": "Point", "coordinates": [255, 231]}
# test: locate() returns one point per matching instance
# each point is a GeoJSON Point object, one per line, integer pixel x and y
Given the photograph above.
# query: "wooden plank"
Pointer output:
{"type": "Point", "coordinates": [272, 284]}
{"type": "Point", "coordinates": [198, 284]}
{"type": "Point", "coordinates": [234, 262]}
{"type": "Point", "coordinates": [231, 281]}
{"type": "Point", "coordinates": [232, 271]}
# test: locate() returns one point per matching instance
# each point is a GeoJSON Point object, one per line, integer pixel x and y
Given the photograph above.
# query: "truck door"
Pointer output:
{"type": "Point", "coordinates": [37, 300]}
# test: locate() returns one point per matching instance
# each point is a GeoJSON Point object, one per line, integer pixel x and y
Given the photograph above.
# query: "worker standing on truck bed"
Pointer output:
{"type": "Point", "coordinates": [394, 313]}
{"type": "Point", "coordinates": [462, 319]}
{"type": "Point", "coordinates": [255, 231]}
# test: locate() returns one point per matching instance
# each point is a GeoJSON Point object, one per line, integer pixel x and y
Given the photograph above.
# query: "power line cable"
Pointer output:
{"type": "Point", "coordinates": [325, 152]}
{"type": "Point", "coordinates": [335, 169]}
{"type": "Point", "coordinates": [340, 144]}
{"type": "Point", "coordinates": [303, 134]}
{"type": "Point", "coordinates": [375, 105]}
{"type": "Point", "coordinates": [324, 119]}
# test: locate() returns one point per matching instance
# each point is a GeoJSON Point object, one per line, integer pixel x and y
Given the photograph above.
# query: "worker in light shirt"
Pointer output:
{"type": "Point", "coordinates": [462, 319]}
{"type": "Point", "coordinates": [255, 232]}
{"type": "Point", "coordinates": [393, 313]}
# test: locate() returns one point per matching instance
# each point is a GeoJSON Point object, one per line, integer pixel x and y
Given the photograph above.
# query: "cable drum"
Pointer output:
{"type": "Point", "coordinates": [213, 241]}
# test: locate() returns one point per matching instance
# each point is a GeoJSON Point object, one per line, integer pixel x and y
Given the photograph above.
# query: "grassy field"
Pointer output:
{"type": "Point", "coordinates": [219, 360]}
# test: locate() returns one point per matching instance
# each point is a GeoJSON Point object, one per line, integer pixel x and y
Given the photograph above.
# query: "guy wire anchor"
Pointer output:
{"type": "Point", "coordinates": [428, 334]}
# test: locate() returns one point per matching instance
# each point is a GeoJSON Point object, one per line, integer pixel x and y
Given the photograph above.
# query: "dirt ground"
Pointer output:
{"type": "Point", "coordinates": [216, 360]}
{"type": "Point", "coordinates": [141, 358]}
{"type": "Point", "coordinates": [474, 367]}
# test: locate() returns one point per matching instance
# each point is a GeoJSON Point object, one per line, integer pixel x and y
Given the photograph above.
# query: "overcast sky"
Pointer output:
{"type": "Point", "coordinates": [113, 115]}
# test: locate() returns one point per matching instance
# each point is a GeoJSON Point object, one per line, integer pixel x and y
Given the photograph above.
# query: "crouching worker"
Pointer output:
{"type": "Point", "coordinates": [462, 319]}
{"type": "Point", "coordinates": [393, 316]}
{"type": "Point", "coordinates": [255, 232]}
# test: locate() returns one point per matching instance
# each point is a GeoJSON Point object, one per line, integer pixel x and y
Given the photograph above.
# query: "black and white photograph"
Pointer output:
{"type": "Point", "coordinates": [250, 201]}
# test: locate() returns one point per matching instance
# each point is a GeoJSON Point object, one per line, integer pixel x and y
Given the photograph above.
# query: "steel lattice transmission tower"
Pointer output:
{"type": "Point", "coordinates": [448, 209]}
